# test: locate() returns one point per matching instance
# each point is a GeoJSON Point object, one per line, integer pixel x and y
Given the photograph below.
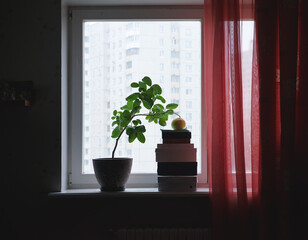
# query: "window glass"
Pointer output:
{"type": "Point", "coordinates": [129, 50]}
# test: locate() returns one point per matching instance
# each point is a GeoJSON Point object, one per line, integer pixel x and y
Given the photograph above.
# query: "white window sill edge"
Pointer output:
{"type": "Point", "coordinates": [129, 192]}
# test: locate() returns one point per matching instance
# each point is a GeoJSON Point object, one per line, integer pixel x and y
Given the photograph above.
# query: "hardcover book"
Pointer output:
{"type": "Point", "coordinates": [176, 134]}
{"type": "Point", "coordinates": [177, 168]}
{"type": "Point", "coordinates": [177, 183]}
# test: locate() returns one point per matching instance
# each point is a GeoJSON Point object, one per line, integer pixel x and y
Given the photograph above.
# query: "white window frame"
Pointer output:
{"type": "Point", "coordinates": [75, 92]}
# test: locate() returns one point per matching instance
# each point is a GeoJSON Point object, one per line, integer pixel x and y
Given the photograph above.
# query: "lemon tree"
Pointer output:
{"type": "Point", "coordinates": [148, 98]}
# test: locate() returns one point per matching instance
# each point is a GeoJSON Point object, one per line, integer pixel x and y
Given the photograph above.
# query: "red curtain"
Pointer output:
{"type": "Point", "coordinates": [257, 139]}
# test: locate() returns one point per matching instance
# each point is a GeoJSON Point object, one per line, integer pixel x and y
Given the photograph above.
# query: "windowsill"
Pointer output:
{"type": "Point", "coordinates": [129, 192]}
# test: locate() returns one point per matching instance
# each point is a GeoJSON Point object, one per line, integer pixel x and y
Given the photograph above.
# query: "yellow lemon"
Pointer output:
{"type": "Point", "coordinates": [178, 123]}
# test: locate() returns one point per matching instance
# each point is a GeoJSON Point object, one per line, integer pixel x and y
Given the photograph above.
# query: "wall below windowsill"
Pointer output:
{"type": "Point", "coordinates": [132, 208]}
{"type": "Point", "coordinates": [129, 192]}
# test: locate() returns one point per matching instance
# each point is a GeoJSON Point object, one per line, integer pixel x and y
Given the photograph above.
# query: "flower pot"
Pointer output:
{"type": "Point", "coordinates": [112, 173]}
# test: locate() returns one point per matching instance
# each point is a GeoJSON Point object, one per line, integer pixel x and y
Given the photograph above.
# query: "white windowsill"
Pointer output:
{"type": "Point", "coordinates": [129, 192]}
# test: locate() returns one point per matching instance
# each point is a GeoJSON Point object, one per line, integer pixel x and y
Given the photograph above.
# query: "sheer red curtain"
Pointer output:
{"type": "Point", "coordinates": [233, 170]}
{"type": "Point", "coordinates": [257, 138]}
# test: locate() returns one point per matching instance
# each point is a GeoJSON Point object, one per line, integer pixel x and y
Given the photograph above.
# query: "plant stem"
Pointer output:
{"type": "Point", "coordinates": [135, 115]}
{"type": "Point", "coordinates": [117, 140]}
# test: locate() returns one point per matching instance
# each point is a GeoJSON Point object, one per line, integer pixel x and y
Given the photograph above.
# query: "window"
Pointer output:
{"type": "Point", "coordinates": [188, 56]}
{"type": "Point", "coordinates": [128, 56]}
{"type": "Point", "coordinates": [189, 104]}
{"type": "Point", "coordinates": [175, 90]}
{"type": "Point", "coordinates": [129, 64]}
{"type": "Point", "coordinates": [188, 44]}
{"type": "Point", "coordinates": [132, 51]}
{"type": "Point", "coordinates": [175, 54]}
{"type": "Point", "coordinates": [188, 79]}
{"type": "Point", "coordinates": [188, 68]}
{"type": "Point", "coordinates": [175, 78]}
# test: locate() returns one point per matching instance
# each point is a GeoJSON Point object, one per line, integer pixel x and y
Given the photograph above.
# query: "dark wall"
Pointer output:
{"type": "Point", "coordinates": [30, 153]}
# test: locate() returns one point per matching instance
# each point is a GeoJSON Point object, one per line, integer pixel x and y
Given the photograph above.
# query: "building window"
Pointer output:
{"type": "Point", "coordinates": [129, 77]}
{"type": "Point", "coordinates": [188, 79]}
{"type": "Point", "coordinates": [129, 64]}
{"type": "Point", "coordinates": [175, 54]}
{"type": "Point", "coordinates": [133, 47]}
{"type": "Point", "coordinates": [161, 66]}
{"type": "Point", "coordinates": [175, 78]}
{"type": "Point", "coordinates": [188, 68]}
{"type": "Point", "coordinates": [189, 104]}
{"type": "Point", "coordinates": [161, 79]}
{"type": "Point", "coordinates": [175, 90]}
{"type": "Point", "coordinates": [188, 91]}
{"type": "Point", "coordinates": [188, 116]}
{"type": "Point", "coordinates": [188, 56]}
{"type": "Point", "coordinates": [132, 51]}
{"type": "Point", "coordinates": [161, 42]}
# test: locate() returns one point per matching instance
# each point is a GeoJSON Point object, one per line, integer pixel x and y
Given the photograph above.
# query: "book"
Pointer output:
{"type": "Point", "coordinates": [176, 134]}
{"type": "Point", "coordinates": [176, 140]}
{"type": "Point", "coordinates": [177, 168]}
{"type": "Point", "coordinates": [177, 183]}
{"type": "Point", "coordinates": [176, 153]}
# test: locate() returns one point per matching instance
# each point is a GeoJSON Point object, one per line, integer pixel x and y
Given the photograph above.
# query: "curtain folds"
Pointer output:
{"type": "Point", "coordinates": [257, 112]}
{"type": "Point", "coordinates": [229, 118]}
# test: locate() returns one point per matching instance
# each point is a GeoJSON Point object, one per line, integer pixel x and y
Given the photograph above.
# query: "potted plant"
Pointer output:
{"type": "Point", "coordinates": [113, 173]}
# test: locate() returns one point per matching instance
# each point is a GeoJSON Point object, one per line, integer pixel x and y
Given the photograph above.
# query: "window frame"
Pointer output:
{"type": "Point", "coordinates": [75, 91]}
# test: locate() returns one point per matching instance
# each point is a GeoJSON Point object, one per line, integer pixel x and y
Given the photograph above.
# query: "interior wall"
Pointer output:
{"type": "Point", "coordinates": [30, 152]}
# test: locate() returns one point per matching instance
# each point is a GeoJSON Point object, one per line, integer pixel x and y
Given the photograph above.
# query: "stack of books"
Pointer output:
{"type": "Point", "coordinates": [176, 162]}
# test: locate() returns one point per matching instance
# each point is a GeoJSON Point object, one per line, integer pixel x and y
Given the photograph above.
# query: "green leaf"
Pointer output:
{"type": "Point", "coordinates": [169, 112]}
{"type": "Point", "coordinates": [140, 128]}
{"type": "Point", "coordinates": [129, 130]}
{"type": "Point", "coordinates": [172, 106]}
{"type": "Point", "coordinates": [126, 115]}
{"type": "Point", "coordinates": [147, 81]}
{"type": "Point", "coordinates": [147, 103]}
{"type": "Point", "coordinates": [139, 121]}
{"type": "Point", "coordinates": [141, 137]}
{"type": "Point", "coordinates": [143, 86]}
{"type": "Point", "coordinates": [115, 112]}
{"type": "Point", "coordinates": [113, 117]}
{"type": "Point", "coordinates": [125, 107]}
{"type": "Point", "coordinates": [161, 107]}
{"type": "Point", "coordinates": [114, 123]}
{"type": "Point", "coordinates": [162, 122]}
{"type": "Point", "coordinates": [130, 105]}
{"type": "Point", "coordinates": [135, 122]}
{"type": "Point", "coordinates": [156, 120]}
{"type": "Point", "coordinates": [116, 132]}
{"type": "Point", "coordinates": [124, 123]}
{"type": "Point", "coordinates": [134, 85]}
{"type": "Point", "coordinates": [132, 96]}
{"type": "Point", "coordinates": [150, 92]}
{"type": "Point", "coordinates": [132, 136]}
{"type": "Point", "coordinates": [151, 118]}
{"type": "Point", "coordinates": [136, 103]}
{"type": "Point", "coordinates": [161, 99]}
{"type": "Point", "coordinates": [157, 89]}
{"type": "Point", "coordinates": [135, 110]}
{"type": "Point", "coordinates": [165, 116]}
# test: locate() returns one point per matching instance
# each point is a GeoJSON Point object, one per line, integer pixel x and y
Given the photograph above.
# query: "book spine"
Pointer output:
{"type": "Point", "coordinates": [177, 168]}
{"type": "Point", "coordinates": [176, 155]}
{"type": "Point", "coordinates": [176, 140]}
